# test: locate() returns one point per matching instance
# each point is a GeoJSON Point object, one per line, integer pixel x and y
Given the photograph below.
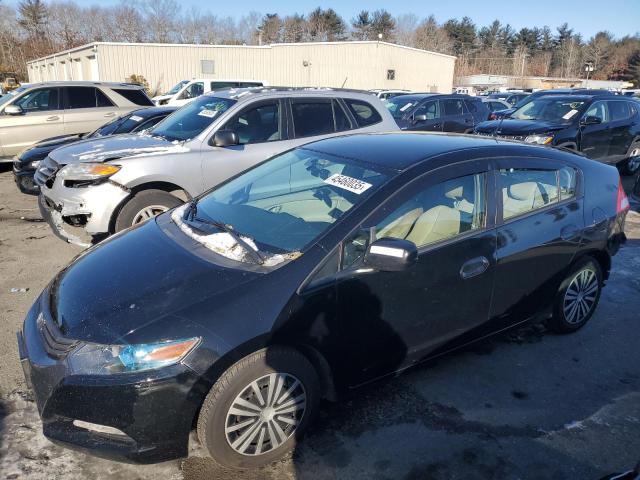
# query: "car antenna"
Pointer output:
{"type": "Point", "coordinates": [495, 130]}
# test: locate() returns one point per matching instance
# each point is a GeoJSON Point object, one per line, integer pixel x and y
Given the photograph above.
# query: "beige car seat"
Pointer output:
{"type": "Point", "coordinates": [401, 226]}
{"type": "Point", "coordinates": [435, 224]}
{"type": "Point", "coordinates": [521, 198]}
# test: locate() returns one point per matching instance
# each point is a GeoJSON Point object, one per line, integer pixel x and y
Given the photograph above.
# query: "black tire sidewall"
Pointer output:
{"type": "Point", "coordinates": [141, 200]}
{"type": "Point", "coordinates": [559, 322]}
{"type": "Point", "coordinates": [280, 360]}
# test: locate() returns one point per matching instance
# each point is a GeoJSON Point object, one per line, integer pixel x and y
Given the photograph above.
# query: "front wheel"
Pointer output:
{"type": "Point", "coordinates": [259, 407]}
{"type": "Point", "coordinates": [578, 297]}
{"type": "Point", "coordinates": [143, 206]}
{"type": "Point", "coordinates": [632, 163]}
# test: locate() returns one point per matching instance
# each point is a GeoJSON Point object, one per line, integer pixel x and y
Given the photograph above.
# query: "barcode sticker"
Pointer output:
{"type": "Point", "coordinates": [348, 183]}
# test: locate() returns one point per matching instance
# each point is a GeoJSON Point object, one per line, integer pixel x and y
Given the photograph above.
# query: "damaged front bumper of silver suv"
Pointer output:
{"type": "Point", "coordinates": [79, 214]}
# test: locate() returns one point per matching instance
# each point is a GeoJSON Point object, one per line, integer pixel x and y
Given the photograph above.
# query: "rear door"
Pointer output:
{"type": "Point", "coordinates": [42, 118]}
{"type": "Point", "coordinates": [621, 121]}
{"type": "Point", "coordinates": [540, 215]}
{"type": "Point", "coordinates": [595, 139]}
{"type": "Point", "coordinates": [86, 109]}
{"type": "Point", "coordinates": [456, 118]}
{"type": "Point", "coordinates": [394, 319]}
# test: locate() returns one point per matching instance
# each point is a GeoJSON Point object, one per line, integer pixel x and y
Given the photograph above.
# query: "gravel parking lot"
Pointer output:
{"type": "Point", "coordinates": [523, 405]}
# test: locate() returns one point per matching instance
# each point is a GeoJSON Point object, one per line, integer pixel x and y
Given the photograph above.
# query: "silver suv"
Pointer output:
{"type": "Point", "coordinates": [109, 184]}
{"type": "Point", "coordinates": [32, 113]}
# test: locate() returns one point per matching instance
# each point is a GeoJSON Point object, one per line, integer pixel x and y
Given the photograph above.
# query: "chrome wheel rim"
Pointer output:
{"type": "Point", "coordinates": [580, 297]}
{"type": "Point", "coordinates": [265, 414]}
{"type": "Point", "coordinates": [148, 212]}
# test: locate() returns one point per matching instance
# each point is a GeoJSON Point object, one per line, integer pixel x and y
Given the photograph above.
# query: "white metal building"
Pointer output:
{"type": "Point", "coordinates": [361, 65]}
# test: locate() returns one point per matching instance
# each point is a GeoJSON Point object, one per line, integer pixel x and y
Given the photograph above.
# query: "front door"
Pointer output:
{"type": "Point", "coordinates": [427, 117]}
{"type": "Point", "coordinates": [41, 117]}
{"type": "Point", "coordinates": [261, 128]}
{"type": "Point", "coordinates": [595, 139]}
{"type": "Point", "coordinates": [540, 207]}
{"type": "Point", "coordinates": [394, 319]}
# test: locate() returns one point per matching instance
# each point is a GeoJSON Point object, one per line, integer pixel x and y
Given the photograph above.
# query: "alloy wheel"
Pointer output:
{"type": "Point", "coordinates": [580, 297]}
{"type": "Point", "coordinates": [265, 414]}
{"type": "Point", "coordinates": [148, 212]}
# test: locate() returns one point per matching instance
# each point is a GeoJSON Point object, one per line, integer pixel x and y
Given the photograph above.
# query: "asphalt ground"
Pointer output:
{"type": "Point", "coordinates": [525, 405]}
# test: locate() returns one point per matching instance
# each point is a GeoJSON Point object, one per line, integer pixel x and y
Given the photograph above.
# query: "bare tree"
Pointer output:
{"type": "Point", "coordinates": [430, 36]}
{"type": "Point", "coordinates": [161, 17]}
{"type": "Point", "coordinates": [406, 25]}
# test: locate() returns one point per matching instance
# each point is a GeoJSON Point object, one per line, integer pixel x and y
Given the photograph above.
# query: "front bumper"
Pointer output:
{"type": "Point", "coordinates": [153, 410]}
{"type": "Point", "coordinates": [77, 214]}
{"type": "Point", "coordinates": [24, 179]}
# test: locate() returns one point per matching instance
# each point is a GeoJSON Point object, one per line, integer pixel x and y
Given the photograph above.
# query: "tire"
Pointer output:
{"type": "Point", "coordinates": [151, 200]}
{"type": "Point", "coordinates": [239, 447]}
{"type": "Point", "coordinates": [631, 164]}
{"type": "Point", "coordinates": [578, 296]}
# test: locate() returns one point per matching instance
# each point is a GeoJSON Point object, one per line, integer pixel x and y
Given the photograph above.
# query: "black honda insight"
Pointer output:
{"type": "Point", "coordinates": [319, 270]}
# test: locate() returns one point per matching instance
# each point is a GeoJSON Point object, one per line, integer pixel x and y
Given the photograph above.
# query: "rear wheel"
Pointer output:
{"type": "Point", "coordinates": [259, 407]}
{"type": "Point", "coordinates": [143, 206]}
{"type": "Point", "coordinates": [578, 296]}
{"type": "Point", "coordinates": [631, 164]}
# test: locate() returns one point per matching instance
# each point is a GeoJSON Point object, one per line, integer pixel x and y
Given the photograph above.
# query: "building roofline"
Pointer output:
{"type": "Point", "coordinates": [202, 45]}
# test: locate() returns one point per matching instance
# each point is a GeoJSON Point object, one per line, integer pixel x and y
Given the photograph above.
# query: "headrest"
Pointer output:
{"type": "Point", "coordinates": [523, 191]}
{"type": "Point", "coordinates": [455, 193]}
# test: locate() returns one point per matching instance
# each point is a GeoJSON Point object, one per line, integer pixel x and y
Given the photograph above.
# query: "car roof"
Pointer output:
{"type": "Point", "coordinates": [78, 83]}
{"type": "Point", "coordinates": [246, 93]}
{"type": "Point", "coordinates": [570, 97]}
{"type": "Point", "coordinates": [401, 150]}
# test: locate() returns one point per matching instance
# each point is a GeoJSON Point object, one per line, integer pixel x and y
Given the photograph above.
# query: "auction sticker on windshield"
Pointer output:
{"type": "Point", "coordinates": [208, 113]}
{"type": "Point", "coordinates": [569, 114]}
{"type": "Point", "coordinates": [348, 183]}
{"type": "Point", "coordinates": [135, 118]}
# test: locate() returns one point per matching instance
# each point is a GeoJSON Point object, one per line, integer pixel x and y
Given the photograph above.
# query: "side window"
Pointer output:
{"type": "Point", "coordinates": [102, 100]}
{"type": "Point", "coordinates": [221, 85]}
{"type": "Point", "coordinates": [600, 110]}
{"type": "Point", "coordinates": [471, 105]}
{"type": "Point", "coordinates": [618, 110]}
{"type": "Point", "coordinates": [80, 97]}
{"type": "Point", "coordinates": [435, 213]}
{"type": "Point", "coordinates": [453, 106]}
{"type": "Point", "coordinates": [192, 91]}
{"type": "Point", "coordinates": [312, 117]}
{"type": "Point", "coordinates": [136, 96]}
{"type": "Point", "coordinates": [258, 124]}
{"type": "Point", "coordinates": [40, 100]}
{"type": "Point", "coordinates": [430, 109]}
{"type": "Point", "coordinates": [341, 119]}
{"type": "Point", "coordinates": [364, 113]}
{"type": "Point", "coordinates": [567, 182]}
{"type": "Point", "coordinates": [148, 124]}
{"type": "Point", "coordinates": [524, 190]}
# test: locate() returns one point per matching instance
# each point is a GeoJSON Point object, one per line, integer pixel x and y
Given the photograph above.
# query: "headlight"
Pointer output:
{"type": "Point", "coordinates": [93, 359]}
{"type": "Point", "coordinates": [88, 171]}
{"type": "Point", "coordinates": [35, 164]}
{"type": "Point", "coordinates": [539, 139]}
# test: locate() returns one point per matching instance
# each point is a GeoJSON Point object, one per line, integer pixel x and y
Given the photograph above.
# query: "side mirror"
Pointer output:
{"type": "Point", "coordinates": [391, 254]}
{"type": "Point", "coordinates": [225, 138]}
{"type": "Point", "coordinates": [13, 110]}
{"type": "Point", "coordinates": [591, 120]}
{"type": "Point", "coordinates": [420, 118]}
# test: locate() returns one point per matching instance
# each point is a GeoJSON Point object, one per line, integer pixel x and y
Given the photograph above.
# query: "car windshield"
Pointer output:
{"type": "Point", "coordinates": [401, 105]}
{"type": "Point", "coordinates": [124, 124]}
{"type": "Point", "coordinates": [176, 88]}
{"type": "Point", "coordinates": [560, 110]}
{"type": "Point", "coordinates": [279, 207]}
{"type": "Point", "coordinates": [192, 119]}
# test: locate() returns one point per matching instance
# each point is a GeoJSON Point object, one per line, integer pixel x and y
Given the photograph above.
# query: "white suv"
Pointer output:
{"type": "Point", "coordinates": [32, 113]}
{"type": "Point", "coordinates": [187, 90]}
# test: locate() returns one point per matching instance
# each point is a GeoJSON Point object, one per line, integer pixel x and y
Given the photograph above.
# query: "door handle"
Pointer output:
{"type": "Point", "coordinates": [437, 125]}
{"type": "Point", "coordinates": [474, 267]}
{"type": "Point", "coordinates": [110, 114]}
{"type": "Point", "coordinates": [53, 118]}
{"type": "Point", "coordinates": [569, 232]}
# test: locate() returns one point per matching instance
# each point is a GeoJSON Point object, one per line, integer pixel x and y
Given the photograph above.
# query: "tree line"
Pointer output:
{"type": "Point", "coordinates": [33, 29]}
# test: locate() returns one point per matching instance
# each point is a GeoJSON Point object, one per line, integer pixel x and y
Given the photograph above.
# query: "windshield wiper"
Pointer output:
{"type": "Point", "coordinates": [191, 214]}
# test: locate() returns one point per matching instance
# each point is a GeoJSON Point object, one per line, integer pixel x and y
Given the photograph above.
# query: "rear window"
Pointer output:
{"type": "Point", "coordinates": [363, 112]}
{"type": "Point", "coordinates": [453, 107]}
{"type": "Point", "coordinates": [136, 96]}
{"type": "Point", "coordinates": [619, 110]}
{"type": "Point", "coordinates": [471, 106]}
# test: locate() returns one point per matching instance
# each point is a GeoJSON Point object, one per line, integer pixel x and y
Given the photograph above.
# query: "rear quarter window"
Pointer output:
{"type": "Point", "coordinates": [364, 113]}
{"type": "Point", "coordinates": [136, 96]}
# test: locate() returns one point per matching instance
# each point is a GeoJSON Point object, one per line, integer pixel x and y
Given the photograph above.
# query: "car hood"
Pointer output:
{"type": "Point", "coordinates": [115, 147]}
{"type": "Point", "coordinates": [138, 283]}
{"type": "Point", "coordinates": [510, 126]}
{"type": "Point", "coordinates": [161, 97]}
{"type": "Point", "coordinates": [41, 149]}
